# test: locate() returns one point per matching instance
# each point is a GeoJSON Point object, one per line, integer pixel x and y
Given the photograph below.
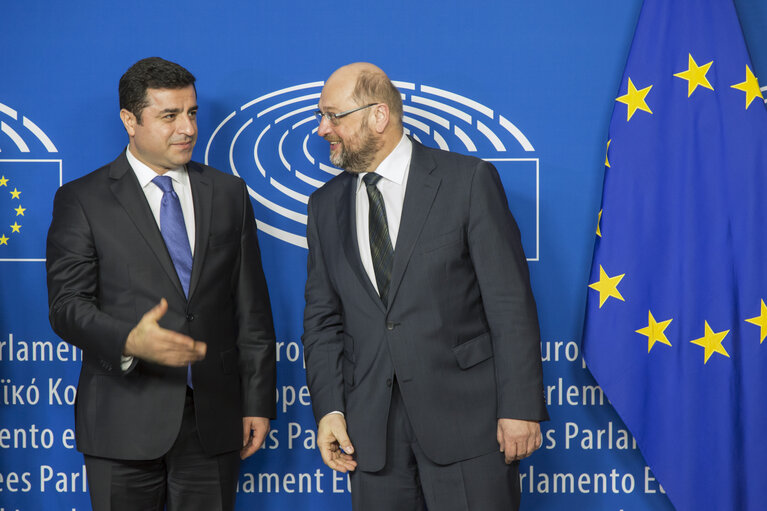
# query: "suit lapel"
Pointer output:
{"type": "Point", "coordinates": [347, 227]}
{"type": "Point", "coordinates": [420, 191]}
{"type": "Point", "coordinates": [202, 197]}
{"type": "Point", "coordinates": [128, 192]}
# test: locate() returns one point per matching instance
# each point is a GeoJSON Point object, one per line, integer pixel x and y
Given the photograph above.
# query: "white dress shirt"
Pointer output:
{"type": "Point", "coordinates": [394, 171]}
{"type": "Point", "coordinates": [153, 195]}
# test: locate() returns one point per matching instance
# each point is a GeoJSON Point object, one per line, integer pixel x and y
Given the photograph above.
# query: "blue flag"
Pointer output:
{"type": "Point", "coordinates": [27, 187]}
{"type": "Point", "coordinates": [676, 314]}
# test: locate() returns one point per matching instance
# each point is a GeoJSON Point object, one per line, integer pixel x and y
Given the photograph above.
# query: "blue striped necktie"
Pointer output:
{"type": "Point", "coordinates": [174, 233]}
{"type": "Point", "coordinates": [380, 242]}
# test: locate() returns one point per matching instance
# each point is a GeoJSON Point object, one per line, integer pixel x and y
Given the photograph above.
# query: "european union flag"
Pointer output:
{"type": "Point", "coordinates": [27, 188]}
{"type": "Point", "coordinates": [676, 314]}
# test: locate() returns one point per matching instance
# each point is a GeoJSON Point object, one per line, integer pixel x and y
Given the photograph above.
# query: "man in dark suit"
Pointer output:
{"type": "Point", "coordinates": [154, 272]}
{"type": "Point", "coordinates": [420, 329]}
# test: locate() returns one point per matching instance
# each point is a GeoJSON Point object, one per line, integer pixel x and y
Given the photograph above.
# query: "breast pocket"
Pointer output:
{"type": "Point", "coordinates": [441, 241]}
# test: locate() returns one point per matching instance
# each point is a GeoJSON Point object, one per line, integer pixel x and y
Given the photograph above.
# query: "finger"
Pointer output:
{"type": "Point", "coordinates": [245, 433]}
{"type": "Point", "coordinates": [248, 450]}
{"type": "Point", "coordinates": [326, 452]}
{"type": "Point", "coordinates": [158, 311]}
{"type": "Point", "coordinates": [186, 348]}
{"type": "Point", "coordinates": [532, 444]}
{"type": "Point", "coordinates": [343, 440]}
{"type": "Point", "coordinates": [342, 463]}
{"type": "Point", "coordinates": [201, 349]}
{"type": "Point", "coordinates": [258, 437]}
{"type": "Point", "coordinates": [510, 450]}
{"type": "Point", "coordinates": [173, 339]}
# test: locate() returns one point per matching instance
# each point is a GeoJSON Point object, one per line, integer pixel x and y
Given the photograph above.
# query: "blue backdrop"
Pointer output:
{"type": "Point", "coordinates": [529, 85]}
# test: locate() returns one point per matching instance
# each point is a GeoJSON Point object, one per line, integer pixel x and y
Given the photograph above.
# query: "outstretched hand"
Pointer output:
{"type": "Point", "coordinates": [149, 341]}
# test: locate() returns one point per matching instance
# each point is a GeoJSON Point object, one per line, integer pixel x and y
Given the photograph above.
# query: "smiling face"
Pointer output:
{"type": "Point", "coordinates": [165, 133]}
{"type": "Point", "coordinates": [354, 145]}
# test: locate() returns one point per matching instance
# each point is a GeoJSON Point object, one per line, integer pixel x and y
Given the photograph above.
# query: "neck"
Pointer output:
{"type": "Point", "coordinates": [390, 143]}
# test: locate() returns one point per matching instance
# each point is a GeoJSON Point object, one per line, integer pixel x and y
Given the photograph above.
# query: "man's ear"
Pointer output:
{"type": "Point", "coordinates": [381, 117]}
{"type": "Point", "coordinates": [129, 121]}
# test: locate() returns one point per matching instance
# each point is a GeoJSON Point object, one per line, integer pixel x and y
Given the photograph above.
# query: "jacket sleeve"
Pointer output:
{"type": "Point", "coordinates": [323, 329]}
{"type": "Point", "coordinates": [72, 266]}
{"type": "Point", "coordinates": [256, 339]}
{"type": "Point", "coordinates": [501, 268]}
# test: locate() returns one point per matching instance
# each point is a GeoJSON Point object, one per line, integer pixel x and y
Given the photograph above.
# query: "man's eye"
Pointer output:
{"type": "Point", "coordinates": [193, 114]}
{"type": "Point", "coordinates": [169, 116]}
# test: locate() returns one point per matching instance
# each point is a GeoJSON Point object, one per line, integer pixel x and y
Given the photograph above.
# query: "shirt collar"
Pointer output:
{"type": "Point", "coordinates": [145, 174]}
{"type": "Point", "coordinates": [394, 166]}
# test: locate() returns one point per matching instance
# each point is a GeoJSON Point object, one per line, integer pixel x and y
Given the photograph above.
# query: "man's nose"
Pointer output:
{"type": "Point", "coordinates": [325, 127]}
{"type": "Point", "coordinates": [186, 125]}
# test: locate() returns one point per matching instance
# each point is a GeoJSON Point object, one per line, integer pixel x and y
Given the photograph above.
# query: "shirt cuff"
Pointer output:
{"type": "Point", "coordinates": [125, 362]}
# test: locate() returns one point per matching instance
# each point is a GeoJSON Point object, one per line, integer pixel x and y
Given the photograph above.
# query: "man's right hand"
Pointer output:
{"type": "Point", "coordinates": [149, 341]}
{"type": "Point", "coordinates": [335, 447]}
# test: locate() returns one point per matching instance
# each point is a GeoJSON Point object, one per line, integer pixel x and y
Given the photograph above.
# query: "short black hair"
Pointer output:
{"type": "Point", "coordinates": [150, 73]}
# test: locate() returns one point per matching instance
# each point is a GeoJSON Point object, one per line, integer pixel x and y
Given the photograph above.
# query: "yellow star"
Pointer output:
{"type": "Point", "coordinates": [654, 331]}
{"type": "Point", "coordinates": [607, 286]}
{"type": "Point", "coordinates": [750, 87]}
{"type": "Point", "coordinates": [15, 194]}
{"type": "Point", "coordinates": [3, 240]}
{"type": "Point", "coordinates": [761, 322]}
{"type": "Point", "coordinates": [3, 181]}
{"type": "Point", "coordinates": [635, 100]}
{"type": "Point", "coordinates": [20, 211]}
{"type": "Point", "coordinates": [599, 221]}
{"type": "Point", "coordinates": [695, 75]}
{"type": "Point", "coordinates": [712, 343]}
{"type": "Point", "coordinates": [15, 227]}
{"type": "Point", "coordinates": [607, 153]}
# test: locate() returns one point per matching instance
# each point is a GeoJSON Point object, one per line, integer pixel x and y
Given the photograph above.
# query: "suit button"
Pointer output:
{"type": "Point", "coordinates": [190, 317]}
{"type": "Point", "coordinates": [388, 382]}
{"type": "Point", "coordinates": [390, 325]}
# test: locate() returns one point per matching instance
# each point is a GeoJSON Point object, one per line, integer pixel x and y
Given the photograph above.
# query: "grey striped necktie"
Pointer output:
{"type": "Point", "coordinates": [380, 242]}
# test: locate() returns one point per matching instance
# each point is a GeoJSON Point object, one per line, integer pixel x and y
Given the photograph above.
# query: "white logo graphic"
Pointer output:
{"type": "Point", "coordinates": [27, 185]}
{"type": "Point", "coordinates": [272, 143]}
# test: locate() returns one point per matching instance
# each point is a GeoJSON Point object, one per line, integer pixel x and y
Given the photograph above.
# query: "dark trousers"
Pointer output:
{"type": "Point", "coordinates": [410, 481]}
{"type": "Point", "coordinates": [185, 478]}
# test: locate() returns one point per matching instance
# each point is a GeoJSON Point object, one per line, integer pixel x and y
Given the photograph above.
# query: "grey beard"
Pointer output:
{"type": "Point", "coordinates": [357, 162]}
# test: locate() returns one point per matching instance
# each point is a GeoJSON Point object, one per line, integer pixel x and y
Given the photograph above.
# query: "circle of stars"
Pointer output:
{"type": "Point", "coordinates": [635, 100]}
{"type": "Point", "coordinates": [19, 210]}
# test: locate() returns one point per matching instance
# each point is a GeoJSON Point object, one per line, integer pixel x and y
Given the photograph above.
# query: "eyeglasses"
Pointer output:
{"type": "Point", "coordinates": [335, 118]}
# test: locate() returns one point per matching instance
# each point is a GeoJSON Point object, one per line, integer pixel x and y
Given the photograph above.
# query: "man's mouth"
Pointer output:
{"type": "Point", "coordinates": [184, 145]}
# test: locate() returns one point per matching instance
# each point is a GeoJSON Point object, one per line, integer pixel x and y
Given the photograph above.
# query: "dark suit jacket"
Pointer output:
{"type": "Point", "coordinates": [108, 265]}
{"type": "Point", "coordinates": [461, 329]}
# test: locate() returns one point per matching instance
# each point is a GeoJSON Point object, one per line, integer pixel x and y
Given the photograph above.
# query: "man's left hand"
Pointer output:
{"type": "Point", "coordinates": [254, 430]}
{"type": "Point", "coordinates": [518, 439]}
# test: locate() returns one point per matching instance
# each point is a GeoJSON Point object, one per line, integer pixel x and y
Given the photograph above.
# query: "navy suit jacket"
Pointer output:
{"type": "Point", "coordinates": [460, 331]}
{"type": "Point", "coordinates": [107, 265]}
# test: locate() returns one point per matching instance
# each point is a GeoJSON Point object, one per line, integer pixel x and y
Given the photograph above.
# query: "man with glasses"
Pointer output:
{"type": "Point", "coordinates": [420, 329]}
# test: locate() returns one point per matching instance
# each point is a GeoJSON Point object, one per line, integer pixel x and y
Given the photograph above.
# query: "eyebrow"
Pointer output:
{"type": "Point", "coordinates": [175, 110]}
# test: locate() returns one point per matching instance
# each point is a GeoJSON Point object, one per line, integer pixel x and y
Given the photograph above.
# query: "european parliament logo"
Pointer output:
{"type": "Point", "coordinates": [272, 143]}
{"type": "Point", "coordinates": [29, 178]}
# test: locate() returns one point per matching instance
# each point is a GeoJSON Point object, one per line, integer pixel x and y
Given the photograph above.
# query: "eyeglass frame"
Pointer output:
{"type": "Point", "coordinates": [334, 118]}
